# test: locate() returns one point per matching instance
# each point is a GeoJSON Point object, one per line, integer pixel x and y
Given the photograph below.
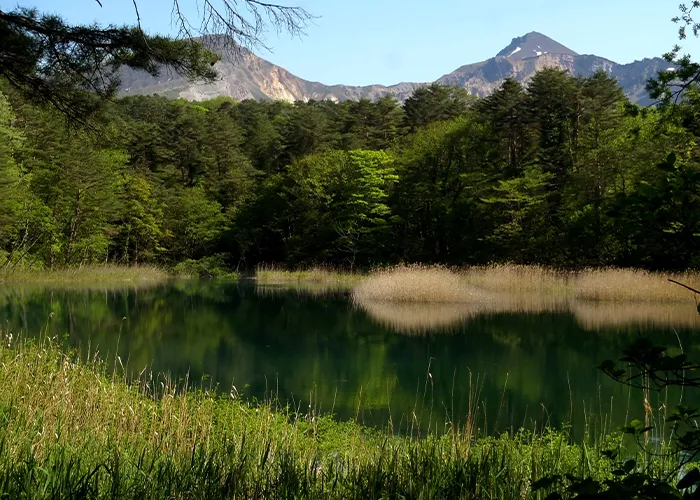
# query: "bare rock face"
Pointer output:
{"type": "Point", "coordinates": [247, 76]}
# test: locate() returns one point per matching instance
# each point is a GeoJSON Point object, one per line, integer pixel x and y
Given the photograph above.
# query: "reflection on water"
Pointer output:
{"type": "Point", "coordinates": [418, 318]}
{"type": "Point", "coordinates": [667, 315]}
{"type": "Point", "coordinates": [528, 359]}
{"type": "Point", "coordinates": [423, 318]}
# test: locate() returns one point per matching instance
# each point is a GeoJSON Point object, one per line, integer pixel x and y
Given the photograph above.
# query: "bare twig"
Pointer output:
{"type": "Point", "coordinates": [138, 15]}
{"type": "Point", "coordinates": [684, 286]}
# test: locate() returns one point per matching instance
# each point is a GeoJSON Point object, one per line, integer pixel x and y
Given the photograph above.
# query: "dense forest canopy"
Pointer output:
{"type": "Point", "coordinates": [563, 171]}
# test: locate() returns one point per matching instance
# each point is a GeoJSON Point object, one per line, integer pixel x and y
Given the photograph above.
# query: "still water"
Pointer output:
{"type": "Point", "coordinates": [414, 367]}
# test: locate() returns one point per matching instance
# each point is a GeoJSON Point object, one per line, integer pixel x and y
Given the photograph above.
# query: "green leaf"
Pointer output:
{"type": "Point", "coordinates": [692, 478]}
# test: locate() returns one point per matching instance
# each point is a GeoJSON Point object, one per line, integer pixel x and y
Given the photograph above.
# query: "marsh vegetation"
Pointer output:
{"type": "Point", "coordinates": [423, 299]}
{"type": "Point", "coordinates": [86, 275]}
{"type": "Point", "coordinates": [84, 427]}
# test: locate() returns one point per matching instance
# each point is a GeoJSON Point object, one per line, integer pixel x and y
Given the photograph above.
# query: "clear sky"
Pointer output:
{"type": "Point", "coordinates": [360, 42]}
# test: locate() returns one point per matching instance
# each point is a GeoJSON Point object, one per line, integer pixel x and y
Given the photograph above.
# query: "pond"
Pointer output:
{"type": "Point", "coordinates": [414, 368]}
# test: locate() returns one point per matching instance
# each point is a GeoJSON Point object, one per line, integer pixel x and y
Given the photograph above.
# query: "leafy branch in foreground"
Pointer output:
{"type": "Point", "coordinates": [670, 85]}
{"type": "Point", "coordinates": [75, 68]}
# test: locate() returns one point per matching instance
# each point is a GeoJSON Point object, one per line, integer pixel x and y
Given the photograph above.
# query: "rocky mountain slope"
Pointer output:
{"type": "Point", "coordinates": [248, 76]}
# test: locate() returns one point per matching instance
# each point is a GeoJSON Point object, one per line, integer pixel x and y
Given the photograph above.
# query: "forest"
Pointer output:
{"type": "Point", "coordinates": [562, 171]}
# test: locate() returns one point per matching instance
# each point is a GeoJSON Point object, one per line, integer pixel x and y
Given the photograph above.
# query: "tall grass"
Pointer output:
{"type": "Point", "coordinates": [415, 283]}
{"type": "Point", "coordinates": [422, 299]}
{"type": "Point", "coordinates": [518, 279]}
{"type": "Point", "coordinates": [419, 283]}
{"type": "Point", "coordinates": [91, 274]}
{"type": "Point", "coordinates": [321, 275]}
{"type": "Point", "coordinates": [72, 428]}
{"type": "Point", "coordinates": [630, 285]}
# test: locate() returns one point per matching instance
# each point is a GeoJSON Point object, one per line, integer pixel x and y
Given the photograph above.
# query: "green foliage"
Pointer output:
{"type": "Point", "coordinates": [193, 223]}
{"type": "Point", "coordinates": [563, 171]}
{"type": "Point", "coordinates": [433, 103]}
{"type": "Point", "coordinates": [335, 205]}
{"type": "Point", "coordinates": [11, 188]}
{"type": "Point", "coordinates": [505, 113]}
{"type": "Point", "coordinates": [440, 174]}
{"type": "Point", "coordinates": [520, 201]}
{"type": "Point", "coordinates": [213, 266]}
{"type": "Point", "coordinates": [140, 227]}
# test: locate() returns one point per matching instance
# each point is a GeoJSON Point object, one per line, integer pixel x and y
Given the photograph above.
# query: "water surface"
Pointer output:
{"type": "Point", "coordinates": [416, 367]}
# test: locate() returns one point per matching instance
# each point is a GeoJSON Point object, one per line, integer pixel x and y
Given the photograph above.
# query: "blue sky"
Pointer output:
{"type": "Point", "coordinates": [387, 41]}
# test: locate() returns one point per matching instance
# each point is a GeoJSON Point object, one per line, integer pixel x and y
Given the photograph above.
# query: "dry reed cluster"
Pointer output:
{"type": "Point", "coordinates": [518, 279]}
{"type": "Point", "coordinates": [415, 283]}
{"type": "Point", "coordinates": [612, 284]}
{"type": "Point", "coordinates": [421, 299]}
{"type": "Point", "coordinates": [439, 284]}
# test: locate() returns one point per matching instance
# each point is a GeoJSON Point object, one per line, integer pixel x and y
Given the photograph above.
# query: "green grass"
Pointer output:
{"type": "Point", "coordinates": [78, 428]}
{"type": "Point", "coordinates": [107, 273]}
{"type": "Point", "coordinates": [311, 275]}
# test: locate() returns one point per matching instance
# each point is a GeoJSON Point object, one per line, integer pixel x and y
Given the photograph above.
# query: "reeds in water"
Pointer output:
{"type": "Point", "coordinates": [423, 283]}
{"type": "Point", "coordinates": [518, 279]}
{"type": "Point", "coordinates": [415, 283]}
{"type": "Point", "coordinates": [632, 285]}
{"type": "Point", "coordinates": [422, 299]}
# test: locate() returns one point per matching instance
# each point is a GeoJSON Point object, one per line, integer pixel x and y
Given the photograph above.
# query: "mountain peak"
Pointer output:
{"type": "Point", "coordinates": [533, 44]}
{"type": "Point", "coordinates": [243, 75]}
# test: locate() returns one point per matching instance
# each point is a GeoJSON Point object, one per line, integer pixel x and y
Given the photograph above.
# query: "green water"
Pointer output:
{"type": "Point", "coordinates": [525, 369]}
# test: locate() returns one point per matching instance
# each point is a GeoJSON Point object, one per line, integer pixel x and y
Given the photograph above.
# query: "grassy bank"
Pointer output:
{"type": "Point", "coordinates": [78, 428]}
{"type": "Point", "coordinates": [108, 273]}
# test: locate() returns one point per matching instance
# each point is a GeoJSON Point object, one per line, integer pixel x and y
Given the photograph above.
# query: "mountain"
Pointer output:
{"type": "Point", "coordinates": [533, 45]}
{"type": "Point", "coordinates": [247, 76]}
{"type": "Point", "coordinates": [243, 75]}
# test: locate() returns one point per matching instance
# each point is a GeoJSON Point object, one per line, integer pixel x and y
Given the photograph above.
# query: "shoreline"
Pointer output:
{"type": "Point", "coordinates": [592, 284]}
